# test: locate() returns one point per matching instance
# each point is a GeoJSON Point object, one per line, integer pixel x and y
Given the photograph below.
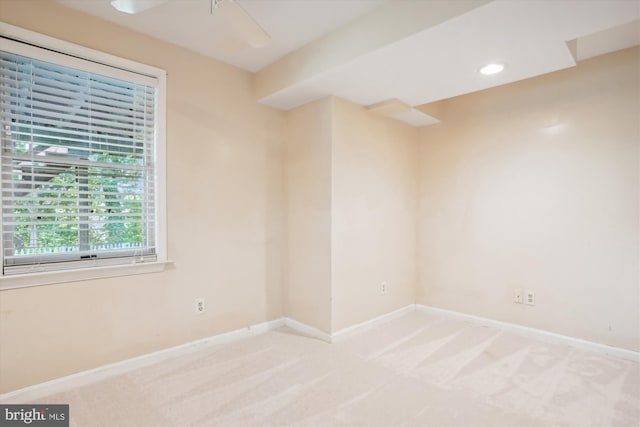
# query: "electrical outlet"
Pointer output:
{"type": "Point", "coordinates": [530, 298]}
{"type": "Point", "coordinates": [200, 307]}
{"type": "Point", "coordinates": [517, 296]}
{"type": "Point", "coordinates": [384, 288]}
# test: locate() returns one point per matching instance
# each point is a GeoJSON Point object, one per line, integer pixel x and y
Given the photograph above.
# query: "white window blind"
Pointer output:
{"type": "Point", "coordinates": [78, 164]}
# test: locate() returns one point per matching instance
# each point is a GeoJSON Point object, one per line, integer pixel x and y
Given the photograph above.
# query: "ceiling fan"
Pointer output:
{"type": "Point", "coordinates": [230, 10]}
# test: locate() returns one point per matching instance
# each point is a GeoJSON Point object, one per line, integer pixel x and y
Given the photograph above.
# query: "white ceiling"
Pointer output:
{"type": "Point", "coordinates": [437, 61]}
{"type": "Point", "coordinates": [190, 24]}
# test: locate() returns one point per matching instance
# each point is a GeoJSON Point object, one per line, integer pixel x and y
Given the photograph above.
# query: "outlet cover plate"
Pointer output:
{"type": "Point", "coordinates": [530, 298]}
{"type": "Point", "coordinates": [200, 308]}
{"type": "Point", "coordinates": [517, 296]}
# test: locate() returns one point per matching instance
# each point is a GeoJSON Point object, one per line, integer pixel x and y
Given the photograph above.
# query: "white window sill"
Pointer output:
{"type": "Point", "coordinates": [53, 277]}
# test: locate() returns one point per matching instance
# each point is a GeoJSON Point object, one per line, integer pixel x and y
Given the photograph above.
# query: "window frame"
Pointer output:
{"type": "Point", "coordinates": [101, 269]}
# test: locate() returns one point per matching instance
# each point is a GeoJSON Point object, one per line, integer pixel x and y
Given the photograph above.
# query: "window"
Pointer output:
{"type": "Point", "coordinates": [81, 161]}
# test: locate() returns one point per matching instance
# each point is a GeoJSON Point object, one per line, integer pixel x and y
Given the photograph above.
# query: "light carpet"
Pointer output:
{"type": "Point", "coordinates": [417, 370]}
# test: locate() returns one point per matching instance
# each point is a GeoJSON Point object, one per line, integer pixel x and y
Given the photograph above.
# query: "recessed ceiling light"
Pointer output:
{"type": "Point", "coordinates": [493, 68]}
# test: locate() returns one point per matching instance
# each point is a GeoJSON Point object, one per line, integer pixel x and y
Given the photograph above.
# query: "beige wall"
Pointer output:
{"type": "Point", "coordinates": [373, 211]}
{"type": "Point", "coordinates": [351, 206]}
{"type": "Point", "coordinates": [535, 185]}
{"type": "Point", "coordinates": [308, 285]}
{"type": "Point", "coordinates": [225, 214]}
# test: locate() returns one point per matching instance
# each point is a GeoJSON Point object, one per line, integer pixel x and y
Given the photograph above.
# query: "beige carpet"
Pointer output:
{"type": "Point", "coordinates": [418, 370]}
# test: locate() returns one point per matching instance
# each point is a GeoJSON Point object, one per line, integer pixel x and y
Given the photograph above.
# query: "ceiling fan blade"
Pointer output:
{"type": "Point", "coordinates": [135, 6]}
{"type": "Point", "coordinates": [238, 18]}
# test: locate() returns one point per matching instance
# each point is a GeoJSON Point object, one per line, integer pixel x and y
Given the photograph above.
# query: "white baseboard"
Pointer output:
{"type": "Point", "coordinates": [307, 330]}
{"type": "Point", "coordinates": [37, 391]}
{"type": "Point", "coordinates": [363, 326]}
{"type": "Point", "coordinates": [79, 379]}
{"type": "Point", "coordinates": [348, 331]}
{"type": "Point", "coordinates": [535, 333]}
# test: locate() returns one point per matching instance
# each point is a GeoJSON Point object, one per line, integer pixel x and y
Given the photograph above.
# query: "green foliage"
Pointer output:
{"type": "Point", "coordinates": [84, 208]}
